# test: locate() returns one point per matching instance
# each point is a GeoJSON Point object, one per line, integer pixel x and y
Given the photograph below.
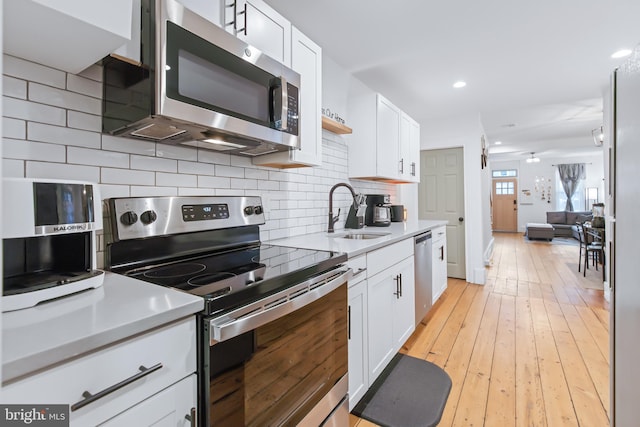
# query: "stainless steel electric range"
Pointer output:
{"type": "Point", "coordinates": [272, 340]}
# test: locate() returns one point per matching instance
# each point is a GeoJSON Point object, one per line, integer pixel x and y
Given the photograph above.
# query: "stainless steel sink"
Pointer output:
{"type": "Point", "coordinates": [360, 236]}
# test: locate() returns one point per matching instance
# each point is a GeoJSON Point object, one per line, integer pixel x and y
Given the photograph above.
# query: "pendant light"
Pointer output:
{"type": "Point", "coordinates": [533, 159]}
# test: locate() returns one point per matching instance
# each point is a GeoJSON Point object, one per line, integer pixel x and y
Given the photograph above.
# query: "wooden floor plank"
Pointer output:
{"type": "Point", "coordinates": [501, 402]}
{"type": "Point", "coordinates": [529, 401]}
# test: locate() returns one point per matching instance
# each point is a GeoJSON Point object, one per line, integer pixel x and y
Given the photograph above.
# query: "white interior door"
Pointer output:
{"type": "Point", "coordinates": [441, 196]}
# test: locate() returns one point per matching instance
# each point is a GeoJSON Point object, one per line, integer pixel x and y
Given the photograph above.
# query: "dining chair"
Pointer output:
{"type": "Point", "coordinates": [589, 248]}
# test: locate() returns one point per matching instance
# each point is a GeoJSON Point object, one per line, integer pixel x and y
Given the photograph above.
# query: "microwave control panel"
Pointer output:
{"type": "Point", "coordinates": [292, 109]}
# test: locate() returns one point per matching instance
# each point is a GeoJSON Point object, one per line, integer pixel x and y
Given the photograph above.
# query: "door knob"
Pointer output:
{"type": "Point", "coordinates": [460, 219]}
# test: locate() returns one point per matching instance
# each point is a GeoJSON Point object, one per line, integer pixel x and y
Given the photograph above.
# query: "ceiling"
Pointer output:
{"type": "Point", "coordinates": [535, 71]}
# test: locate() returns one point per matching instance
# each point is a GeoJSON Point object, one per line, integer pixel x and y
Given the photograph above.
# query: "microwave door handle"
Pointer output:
{"type": "Point", "coordinates": [280, 103]}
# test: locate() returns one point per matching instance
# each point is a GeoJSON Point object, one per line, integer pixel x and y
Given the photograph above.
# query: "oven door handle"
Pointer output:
{"type": "Point", "coordinates": [275, 306]}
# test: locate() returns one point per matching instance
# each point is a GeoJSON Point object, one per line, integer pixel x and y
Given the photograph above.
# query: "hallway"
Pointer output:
{"type": "Point", "coordinates": [530, 348]}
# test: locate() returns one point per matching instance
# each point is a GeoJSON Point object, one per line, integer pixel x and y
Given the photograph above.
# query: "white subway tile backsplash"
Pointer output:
{"type": "Point", "coordinates": [27, 150]}
{"type": "Point", "coordinates": [32, 111]}
{"type": "Point", "coordinates": [244, 184]}
{"type": "Point", "coordinates": [84, 86]}
{"type": "Point", "coordinates": [208, 156]}
{"type": "Point", "coordinates": [196, 192]}
{"type": "Point", "coordinates": [153, 191]}
{"type": "Point", "coordinates": [14, 88]}
{"type": "Point", "coordinates": [268, 185]}
{"type": "Point", "coordinates": [259, 174]}
{"type": "Point", "coordinates": [26, 70]}
{"type": "Point", "coordinates": [128, 145]}
{"type": "Point", "coordinates": [12, 168]}
{"type": "Point", "coordinates": [97, 157]}
{"type": "Point", "coordinates": [176, 152]}
{"type": "Point", "coordinates": [108, 191]}
{"type": "Point", "coordinates": [176, 180]}
{"type": "Point", "coordinates": [154, 164]}
{"type": "Point", "coordinates": [14, 128]}
{"type": "Point", "coordinates": [65, 99]}
{"type": "Point", "coordinates": [125, 176]}
{"type": "Point", "coordinates": [62, 135]}
{"type": "Point", "coordinates": [242, 162]}
{"type": "Point", "coordinates": [78, 120]}
{"type": "Point", "coordinates": [196, 168]}
{"type": "Point", "coordinates": [62, 171]}
{"type": "Point", "coordinates": [230, 171]}
{"type": "Point", "coordinates": [214, 182]}
{"type": "Point", "coordinates": [229, 192]}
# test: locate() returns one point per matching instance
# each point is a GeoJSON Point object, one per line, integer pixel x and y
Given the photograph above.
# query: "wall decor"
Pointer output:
{"type": "Point", "coordinates": [483, 156]}
{"type": "Point", "coordinates": [526, 197]}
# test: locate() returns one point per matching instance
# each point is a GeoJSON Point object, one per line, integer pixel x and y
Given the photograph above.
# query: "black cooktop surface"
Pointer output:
{"type": "Point", "coordinates": [229, 279]}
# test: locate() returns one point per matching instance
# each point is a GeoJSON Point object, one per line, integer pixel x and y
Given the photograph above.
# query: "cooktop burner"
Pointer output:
{"type": "Point", "coordinates": [206, 279]}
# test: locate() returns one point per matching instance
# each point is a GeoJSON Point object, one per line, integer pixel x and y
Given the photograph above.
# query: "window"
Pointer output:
{"type": "Point", "coordinates": [503, 187]}
{"type": "Point", "coordinates": [561, 198]}
{"type": "Point", "coordinates": [507, 173]}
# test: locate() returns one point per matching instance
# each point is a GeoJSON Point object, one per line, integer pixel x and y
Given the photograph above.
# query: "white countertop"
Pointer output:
{"type": "Point", "coordinates": [395, 232]}
{"type": "Point", "coordinates": [52, 332]}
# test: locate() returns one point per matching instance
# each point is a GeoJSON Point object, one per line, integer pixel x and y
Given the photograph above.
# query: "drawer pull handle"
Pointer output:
{"type": "Point", "coordinates": [360, 271]}
{"type": "Point", "coordinates": [192, 417]}
{"type": "Point", "coordinates": [90, 398]}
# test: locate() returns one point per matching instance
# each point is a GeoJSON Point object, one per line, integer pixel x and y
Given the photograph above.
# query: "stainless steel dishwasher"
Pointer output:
{"type": "Point", "coordinates": [422, 253]}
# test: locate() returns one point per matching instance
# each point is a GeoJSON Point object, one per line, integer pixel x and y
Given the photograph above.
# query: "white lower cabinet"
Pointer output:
{"type": "Point", "coordinates": [439, 262]}
{"type": "Point", "coordinates": [172, 407]}
{"type": "Point", "coordinates": [390, 313]}
{"type": "Point", "coordinates": [391, 303]}
{"type": "Point", "coordinates": [110, 382]}
{"type": "Point", "coordinates": [358, 373]}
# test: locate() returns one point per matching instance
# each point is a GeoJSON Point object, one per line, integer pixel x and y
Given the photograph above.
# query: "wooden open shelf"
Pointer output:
{"type": "Point", "coordinates": [335, 127]}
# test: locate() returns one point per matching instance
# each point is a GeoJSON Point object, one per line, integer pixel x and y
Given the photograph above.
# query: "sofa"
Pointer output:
{"type": "Point", "coordinates": [564, 222]}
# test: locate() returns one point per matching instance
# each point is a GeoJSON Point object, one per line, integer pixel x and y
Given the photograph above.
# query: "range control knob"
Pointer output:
{"type": "Point", "coordinates": [248, 210]}
{"type": "Point", "coordinates": [257, 210]}
{"type": "Point", "coordinates": [129, 218]}
{"type": "Point", "coordinates": [148, 217]}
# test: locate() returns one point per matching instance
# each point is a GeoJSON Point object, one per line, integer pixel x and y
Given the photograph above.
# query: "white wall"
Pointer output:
{"type": "Point", "coordinates": [52, 130]}
{"type": "Point", "coordinates": [465, 132]}
{"type": "Point", "coordinates": [527, 173]}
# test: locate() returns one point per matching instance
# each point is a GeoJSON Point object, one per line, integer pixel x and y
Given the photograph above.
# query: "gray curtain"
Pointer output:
{"type": "Point", "coordinates": [570, 174]}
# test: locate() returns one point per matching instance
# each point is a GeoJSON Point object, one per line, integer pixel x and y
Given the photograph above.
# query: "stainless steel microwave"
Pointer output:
{"type": "Point", "coordinates": [198, 85]}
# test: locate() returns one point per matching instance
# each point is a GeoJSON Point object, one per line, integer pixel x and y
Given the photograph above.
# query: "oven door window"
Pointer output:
{"type": "Point", "coordinates": [208, 76]}
{"type": "Point", "coordinates": [296, 361]}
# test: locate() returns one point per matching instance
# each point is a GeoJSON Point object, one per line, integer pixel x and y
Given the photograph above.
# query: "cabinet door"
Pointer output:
{"type": "Point", "coordinates": [404, 304]}
{"type": "Point", "coordinates": [414, 163]}
{"type": "Point", "coordinates": [380, 298]}
{"type": "Point", "coordinates": [406, 156]}
{"type": "Point", "coordinates": [306, 59]}
{"type": "Point", "coordinates": [387, 139]}
{"type": "Point", "coordinates": [259, 25]}
{"type": "Point", "coordinates": [172, 407]}
{"type": "Point", "coordinates": [439, 256]}
{"type": "Point", "coordinates": [358, 373]}
{"type": "Point", "coordinates": [211, 10]}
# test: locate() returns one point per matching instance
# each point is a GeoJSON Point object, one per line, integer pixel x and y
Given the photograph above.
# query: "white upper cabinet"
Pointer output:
{"type": "Point", "coordinates": [212, 10]}
{"type": "Point", "coordinates": [68, 35]}
{"type": "Point", "coordinates": [380, 147]}
{"type": "Point", "coordinates": [258, 24]}
{"type": "Point", "coordinates": [409, 149]}
{"type": "Point", "coordinates": [306, 59]}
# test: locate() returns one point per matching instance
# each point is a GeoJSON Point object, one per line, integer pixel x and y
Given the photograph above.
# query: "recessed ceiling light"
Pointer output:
{"type": "Point", "coordinates": [621, 53]}
{"type": "Point", "coordinates": [459, 84]}
{"type": "Point", "coordinates": [498, 143]}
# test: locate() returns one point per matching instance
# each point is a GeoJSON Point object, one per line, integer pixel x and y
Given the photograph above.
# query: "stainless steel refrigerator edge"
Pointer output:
{"type": "Point", "coordinates": [625, 270]}
{"type": "Point", "coordinates": [423, 274]}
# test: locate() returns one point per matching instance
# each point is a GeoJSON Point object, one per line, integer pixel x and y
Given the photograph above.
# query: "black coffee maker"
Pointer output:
{"type": "Point", "coordinates": [378, 213]}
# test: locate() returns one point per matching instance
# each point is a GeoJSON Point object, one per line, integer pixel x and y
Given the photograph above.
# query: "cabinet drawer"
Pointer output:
{"type": "Point", "coordinates": [439, 232]}
{"type": "Point", "coordinates": [359, 267]}
{"type": "Point", "coordinates": [384, 258]}
{"type": "Point", "coordinates": [173, 347]}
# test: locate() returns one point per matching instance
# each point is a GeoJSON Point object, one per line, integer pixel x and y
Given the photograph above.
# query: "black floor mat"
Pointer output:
{"type": "Point", "coordinates": [409, 392]}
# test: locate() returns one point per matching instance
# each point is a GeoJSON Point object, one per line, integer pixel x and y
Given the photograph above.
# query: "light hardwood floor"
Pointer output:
{"type": "Point", "coordinates": [530, 348]}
